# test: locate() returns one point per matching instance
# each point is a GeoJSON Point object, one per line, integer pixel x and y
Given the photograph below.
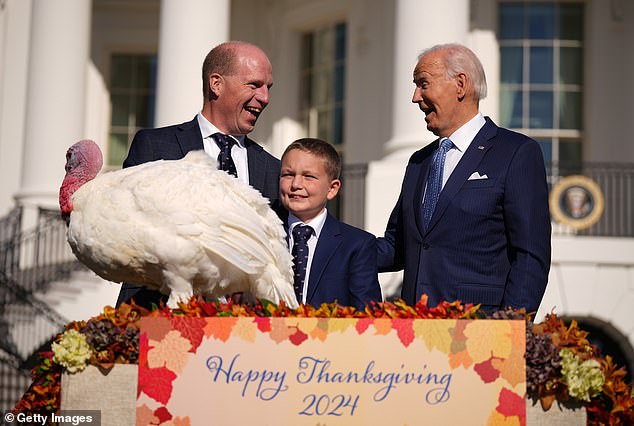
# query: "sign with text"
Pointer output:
{"type": "Point", "coordinates": [330, 371]}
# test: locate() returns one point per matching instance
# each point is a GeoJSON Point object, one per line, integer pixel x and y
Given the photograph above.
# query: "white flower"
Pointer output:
{"type": "Point", "coordinates": [584, 379]}
{"type": "Point", "coordinates": [72, 351]}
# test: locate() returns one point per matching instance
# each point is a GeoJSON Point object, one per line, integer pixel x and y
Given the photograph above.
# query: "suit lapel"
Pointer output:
{"type": "Point", "coordinates": [189, 137]}
{"type": "Point", "coordinates": [420, 183]}
{"type": "Point", "coordinates": [329, 240]}
{"type": "Point", "coordinates": [257, 168]}
{"type": "Point", "coordinates": [467, 164]}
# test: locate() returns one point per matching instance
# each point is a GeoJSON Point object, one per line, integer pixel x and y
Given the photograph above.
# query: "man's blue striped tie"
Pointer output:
{"type": "Point", "coordinates": [434, 180]}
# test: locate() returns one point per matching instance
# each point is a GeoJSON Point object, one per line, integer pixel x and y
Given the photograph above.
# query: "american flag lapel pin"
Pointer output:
{"type": "Point", "coordinates": [480, 147]}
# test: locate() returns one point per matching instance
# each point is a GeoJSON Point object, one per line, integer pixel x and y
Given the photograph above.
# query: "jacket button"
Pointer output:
{"type": "Point", "coordinates": [425, 246]}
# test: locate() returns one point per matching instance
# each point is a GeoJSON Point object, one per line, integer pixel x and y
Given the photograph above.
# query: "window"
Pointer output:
{"type": "Point", "coordinates": [323, 71]}
{"type": "Point", "coordinates": [132, 88]}
{"type": "Point", "coordinates": [541, 88]}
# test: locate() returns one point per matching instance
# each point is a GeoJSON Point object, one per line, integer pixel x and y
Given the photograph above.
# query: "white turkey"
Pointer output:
{"type": "Point", "coordinates": [180, 226]}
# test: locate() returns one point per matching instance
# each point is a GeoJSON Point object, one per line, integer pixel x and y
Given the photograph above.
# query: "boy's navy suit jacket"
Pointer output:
{"type": "Point", "coordinates": [344, 267]}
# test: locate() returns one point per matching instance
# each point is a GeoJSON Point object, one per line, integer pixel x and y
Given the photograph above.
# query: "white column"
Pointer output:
{"type": "Point", "coordinates": [419, 24]}
{"type": "Point", "coordinates": [58, 54]}
{"type": "Point", "coordinates": [15, 27]}
{"type": "Point", "coordinates": [188, 31]}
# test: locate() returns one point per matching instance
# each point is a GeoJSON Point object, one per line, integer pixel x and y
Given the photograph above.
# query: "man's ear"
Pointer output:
{"type": "Point", "coordinates": [216, 82]}
{"type": "Point", "coordinates": [334, 189]}
{"type": "Point", "coordinates": [462, 86]}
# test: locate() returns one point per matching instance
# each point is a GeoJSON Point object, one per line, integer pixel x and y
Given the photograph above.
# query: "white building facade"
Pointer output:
{"type": "Point", "coordinates": [559, 71]}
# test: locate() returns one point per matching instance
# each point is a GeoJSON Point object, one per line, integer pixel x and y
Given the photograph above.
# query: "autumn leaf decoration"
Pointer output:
{"type": "Point", "coordinates": [114, 338]}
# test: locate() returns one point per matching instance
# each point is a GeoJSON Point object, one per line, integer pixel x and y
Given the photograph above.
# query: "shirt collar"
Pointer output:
{"type": "Point", "coordinates": [462, 137]}
{"type": "Point", "coordinates": [207, 129]}
{"type": "Point", "coordinates": [317, 223]}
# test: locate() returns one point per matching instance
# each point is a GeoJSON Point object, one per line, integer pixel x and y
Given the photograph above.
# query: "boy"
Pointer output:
{"type": "Point", "coordinates": [332, 261]}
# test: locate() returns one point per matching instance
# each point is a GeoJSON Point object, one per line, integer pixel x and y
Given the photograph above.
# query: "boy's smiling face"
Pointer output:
{"type": "Point", "coordinates": [305, 186]}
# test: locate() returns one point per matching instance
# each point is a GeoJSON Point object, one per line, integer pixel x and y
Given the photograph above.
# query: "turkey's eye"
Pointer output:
{"type": "Point", "coordinates": [69, 161]}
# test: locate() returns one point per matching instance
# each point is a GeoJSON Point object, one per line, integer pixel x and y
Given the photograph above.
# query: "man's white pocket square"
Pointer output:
{"type": "Point", "coordinates": [477, 176]}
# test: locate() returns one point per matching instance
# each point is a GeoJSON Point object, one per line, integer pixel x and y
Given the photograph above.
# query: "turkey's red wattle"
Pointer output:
{"type": "Point", "coordinates": [83, 163]}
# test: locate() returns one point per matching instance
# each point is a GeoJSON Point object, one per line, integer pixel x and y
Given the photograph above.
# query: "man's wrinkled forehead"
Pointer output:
{"type": "Point", "coordinates": [420, 70]}
{"type": "Point", "coordinates": [430, 64]}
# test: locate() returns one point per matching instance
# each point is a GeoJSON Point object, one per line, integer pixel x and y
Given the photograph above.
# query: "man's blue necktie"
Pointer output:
{"type": "Point", "coordinates": [225, 162]}
{"type": "Point", "coordinates": [301, 234]}
{"type": "Point", "coordinates": [434, 180]}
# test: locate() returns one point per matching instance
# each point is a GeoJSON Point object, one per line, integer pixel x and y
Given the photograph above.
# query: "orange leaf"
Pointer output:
{"type": "Point", "coordinates": [320, 332]}
{"type": "Point", "coordinates": [382, 326]}
{"type": "Point", "coordinates": [460, 359]}
{"type": "Point", "coordinates": [181, 421]}
{"type": "Point", "coordinates": [513, 368]}
{"type": "Point", "coordinates": [219, 328]}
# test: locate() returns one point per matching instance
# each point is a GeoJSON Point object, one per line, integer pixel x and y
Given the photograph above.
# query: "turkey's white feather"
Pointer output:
{"type": "Point", "coordinates": [182, 227]}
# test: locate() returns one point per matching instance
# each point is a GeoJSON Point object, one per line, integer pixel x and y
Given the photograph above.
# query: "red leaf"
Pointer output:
{"type": "Point", "coordinates": [264, 324]}
{"type": "Point", "coordinates": [208, 308]}
{"type": "Point", "coordinates": [486, 371]}
{"type": "Point", "coordinates": [512, 405]}
{"type": "Point", "coordinates": [163, 414]}
{"type": "Point", "coordinates": [363, 324]}
{"type": "Point", "coordinates": [144, 347]}
{"type": "Point", "coordinates": [404, 329]}
{"type": "Point", "coordinates": [298, 337]}
{"type": "Point", "coordinates": [156, 383]}
{"type": "Point", "coordinates": [193, 329]}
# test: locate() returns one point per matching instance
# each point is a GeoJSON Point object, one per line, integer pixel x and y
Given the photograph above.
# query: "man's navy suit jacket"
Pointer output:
{"type": "Point", "coordinates": [344, 267]}
{"type": "Point", "coordinates": [488, 241]}
{"type": "Point", "coordinates": [173, 143]}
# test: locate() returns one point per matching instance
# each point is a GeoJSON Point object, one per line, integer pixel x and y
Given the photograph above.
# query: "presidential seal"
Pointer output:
{"type": "Point", "coordinates": [576, 201]}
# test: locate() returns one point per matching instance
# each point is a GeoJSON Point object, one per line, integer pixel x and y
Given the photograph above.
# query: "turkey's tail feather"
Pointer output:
{"type": "Point", "coordinates": [271, 285]}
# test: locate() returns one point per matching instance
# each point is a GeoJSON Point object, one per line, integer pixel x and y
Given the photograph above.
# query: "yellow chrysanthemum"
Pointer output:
{"type": "Point", "coordinates": [72, 352]}
{"type": "Point", "coordinates": [584, 379]}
